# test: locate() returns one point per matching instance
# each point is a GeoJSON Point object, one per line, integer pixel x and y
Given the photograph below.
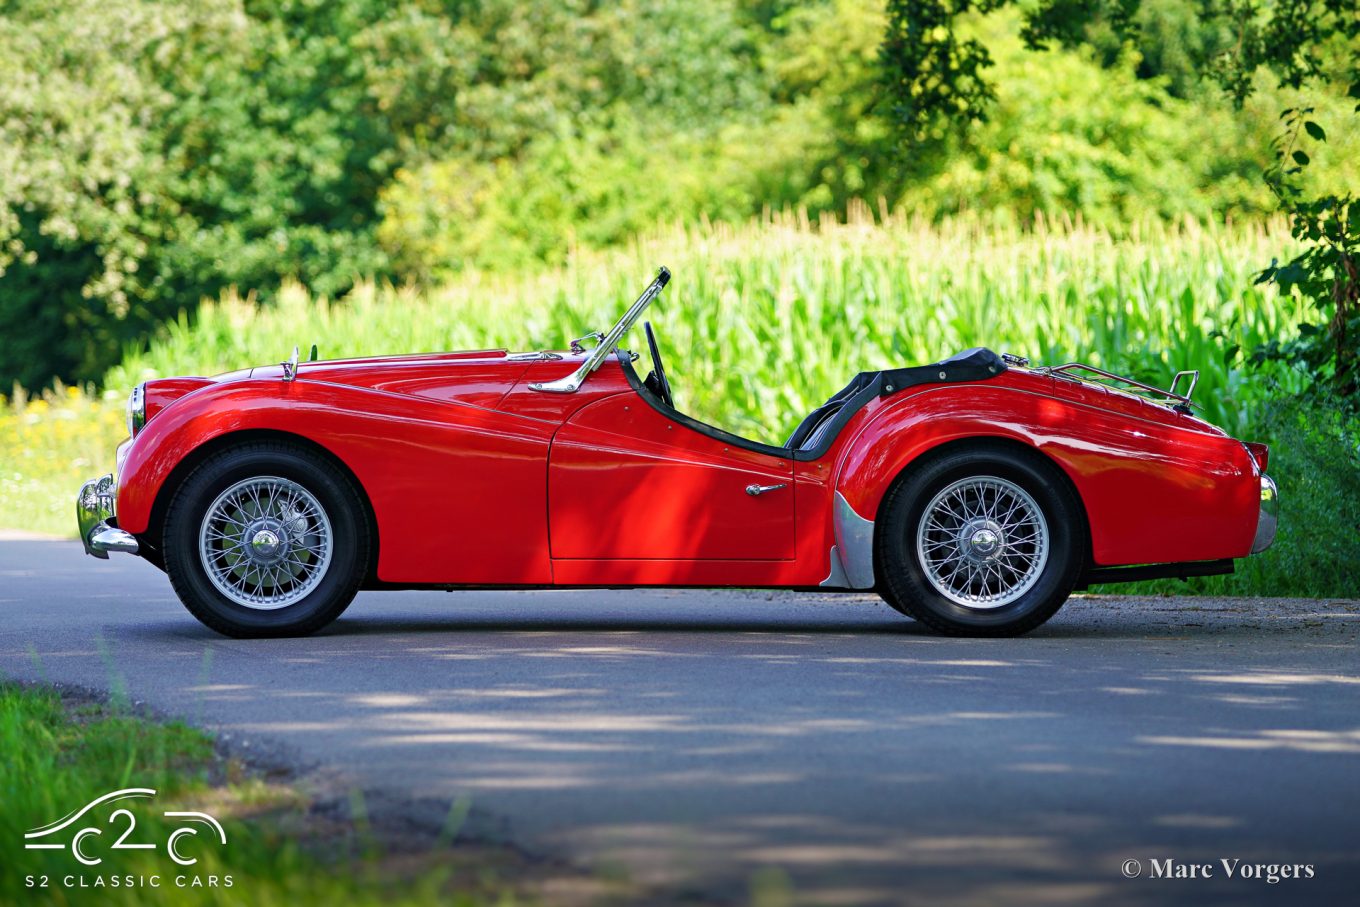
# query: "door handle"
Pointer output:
{"type": "Point", "coordinates": [754, 490]}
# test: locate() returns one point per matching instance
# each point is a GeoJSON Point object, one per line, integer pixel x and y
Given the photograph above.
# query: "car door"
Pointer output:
{"type": "Point", "coordinates": [627, 481]}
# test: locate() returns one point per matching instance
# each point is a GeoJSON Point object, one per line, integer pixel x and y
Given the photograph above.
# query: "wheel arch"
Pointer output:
{"type": "Point", "coordinates": [227, 440]}
{"type": "Point", "coordinates": [982, 443]}
{"type": "Point", "coordinates": [885, 455]}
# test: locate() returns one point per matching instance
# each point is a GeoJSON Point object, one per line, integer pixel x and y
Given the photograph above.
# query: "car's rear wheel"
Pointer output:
{"type": "Point", "coordinates": [266, 539]}
{"type": "Point", "coordinates": [984, 540]}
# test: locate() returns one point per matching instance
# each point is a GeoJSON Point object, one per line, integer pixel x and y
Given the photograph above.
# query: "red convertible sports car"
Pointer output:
{"type": "Point", "coordinates": [974, 494]}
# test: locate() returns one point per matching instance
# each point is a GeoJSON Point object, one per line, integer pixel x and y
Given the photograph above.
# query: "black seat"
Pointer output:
{"type": "Point", "coordinates": [811, 431]}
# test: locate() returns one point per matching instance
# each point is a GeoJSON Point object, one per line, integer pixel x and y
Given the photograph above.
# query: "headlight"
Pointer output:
{"type": "Point", "coordinates": [136, 410]}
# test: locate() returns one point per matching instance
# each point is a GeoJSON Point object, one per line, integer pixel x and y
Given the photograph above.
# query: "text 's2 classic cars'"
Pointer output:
{"type": "Point", "coordinates": [974, 494]}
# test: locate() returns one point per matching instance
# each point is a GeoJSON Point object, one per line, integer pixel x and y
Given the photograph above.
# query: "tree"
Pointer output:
{"type": "Point", "coordinates": [937, 77]}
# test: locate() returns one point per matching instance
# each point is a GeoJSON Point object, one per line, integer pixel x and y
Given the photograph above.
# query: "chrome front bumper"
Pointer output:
{"type": "Point", "coordinates": [1270, 516]}
{"type": "Point", "coordinates": [94, 509]}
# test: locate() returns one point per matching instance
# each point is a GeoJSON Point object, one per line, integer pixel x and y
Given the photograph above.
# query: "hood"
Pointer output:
{"type": "Point", "coordinates": [478, 377]}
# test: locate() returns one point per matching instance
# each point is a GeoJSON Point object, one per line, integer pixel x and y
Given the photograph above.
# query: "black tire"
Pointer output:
{"type": "Point", "coordinates": [902, 575]}
{"type": "Point", "coordinates": [341, 504]}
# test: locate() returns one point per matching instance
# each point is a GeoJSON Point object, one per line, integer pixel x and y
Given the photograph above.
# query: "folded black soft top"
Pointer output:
{"type": "Point", "coordinates": [976, 364]}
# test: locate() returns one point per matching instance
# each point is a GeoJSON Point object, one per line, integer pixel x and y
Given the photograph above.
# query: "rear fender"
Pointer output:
{"type": "Point", "coordinates": [1153, 492]}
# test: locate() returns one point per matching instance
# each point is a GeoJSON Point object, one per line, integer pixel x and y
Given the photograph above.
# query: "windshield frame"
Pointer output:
{"type": "Point", "coordinates": [570, 384]}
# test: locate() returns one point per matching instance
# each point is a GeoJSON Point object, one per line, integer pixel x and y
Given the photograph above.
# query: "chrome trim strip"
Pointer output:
{"type": "Point", "coordinates": [1269, 519]}
{"type": "Point", "coordinates": [570, 384]}
{"type": "Point", "coordinates": [855, 541]}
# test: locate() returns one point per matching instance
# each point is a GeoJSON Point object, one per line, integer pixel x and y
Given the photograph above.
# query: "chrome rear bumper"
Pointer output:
{"type": "Point", "coordinates": [94, 509]}
{"type": "Point", "coordinates": [1270, 516]}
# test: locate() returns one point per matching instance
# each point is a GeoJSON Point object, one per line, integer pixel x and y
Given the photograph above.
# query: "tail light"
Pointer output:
{"type": "Point", "coordinates": [1259, 452]}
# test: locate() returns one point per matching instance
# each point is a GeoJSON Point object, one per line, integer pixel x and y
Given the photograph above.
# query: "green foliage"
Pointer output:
{"type": "Point", "coordinates": [631, 120]}
{"type": "Point", "coordinates": [936, 71]}
{"type": "Point", "coordinates": [594, 189]}
{"type": "Point", "coordinates": [1068, 137]}
{"type": "Point", "coordinates": [820, 302]}
{"type": "Point", "coordinates": [936, 78]}
{"type": "Point", "coordinates": [1300, 41]}
{"type": "Point", "coordinates": [1175, 43]}
{"type": "Point", "coordinates": [81, 200]}
{"type": "Point", "coordinates": [1315, 459]}
{"type": "Point", "coordinates": [1326, 273]}
{"type": "Point", "coordinates": [933, 73]}
{"type": "Point", "coordinates": [152, 154]}
{"type": "Point", "coordinates": [155, 154]}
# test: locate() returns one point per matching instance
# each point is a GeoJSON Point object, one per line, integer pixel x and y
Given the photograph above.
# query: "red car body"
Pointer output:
{"type": "Point", "coordinates": [476, 480]}
{"type": "Point", "coordinates": [473, 476]}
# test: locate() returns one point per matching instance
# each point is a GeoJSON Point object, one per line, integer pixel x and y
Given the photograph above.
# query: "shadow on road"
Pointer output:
{"type": "Point", "coordinates": [697, 738]}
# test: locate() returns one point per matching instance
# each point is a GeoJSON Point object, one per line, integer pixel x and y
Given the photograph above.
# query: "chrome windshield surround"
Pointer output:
{"type": "Point", "coordinates": [570, 384]}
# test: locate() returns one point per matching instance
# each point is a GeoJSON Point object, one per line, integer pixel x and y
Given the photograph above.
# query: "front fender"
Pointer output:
{"type": "Point", "coordinates": [436, 473]}
{"type": "Point", "coordinates": [1154, 492]}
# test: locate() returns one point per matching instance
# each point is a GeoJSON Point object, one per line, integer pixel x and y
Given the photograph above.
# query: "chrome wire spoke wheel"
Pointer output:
{"type": "Point", "coordinates": [266, 542]}
{"type": "Point", "coordinates": [982, 542]}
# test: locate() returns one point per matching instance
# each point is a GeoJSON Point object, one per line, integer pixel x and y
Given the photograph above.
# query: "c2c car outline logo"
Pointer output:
{"type": "Point", "coordinates": [31, 841]}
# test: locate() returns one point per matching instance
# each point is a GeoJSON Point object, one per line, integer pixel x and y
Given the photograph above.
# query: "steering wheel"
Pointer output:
{"type": "Point", "coordinates": [656, 381]}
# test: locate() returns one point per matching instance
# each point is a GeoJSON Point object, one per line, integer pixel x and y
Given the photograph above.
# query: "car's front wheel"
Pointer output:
{"type": "Point", "coordinates": [981, 541]}
{"type": "Point", "coordinates": [266, 539]}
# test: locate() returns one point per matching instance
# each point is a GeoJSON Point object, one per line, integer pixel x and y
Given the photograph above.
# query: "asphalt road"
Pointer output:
{"type": "Point", "coordinates": [699, 740]}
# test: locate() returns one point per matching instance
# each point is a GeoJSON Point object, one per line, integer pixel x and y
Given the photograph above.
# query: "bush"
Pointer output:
{"type": "Point", "coordinates": [593, 189]}
{"type": "Point", "coordinates": [155, 154]}
{"type": "Point", "coordinates": [1315, 459]}
{"type": "Point", "coordinates": [1070, 137]}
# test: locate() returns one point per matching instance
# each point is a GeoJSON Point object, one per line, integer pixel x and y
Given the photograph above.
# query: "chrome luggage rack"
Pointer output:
{"type": "Point", "coordinates": [1080, 371]}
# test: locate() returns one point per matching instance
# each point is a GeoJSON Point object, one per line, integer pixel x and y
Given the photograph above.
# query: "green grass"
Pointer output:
{"type": "Point", "coordinates": [58, 758]}
{"type": "Point", "coordinates": [761, 323]}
